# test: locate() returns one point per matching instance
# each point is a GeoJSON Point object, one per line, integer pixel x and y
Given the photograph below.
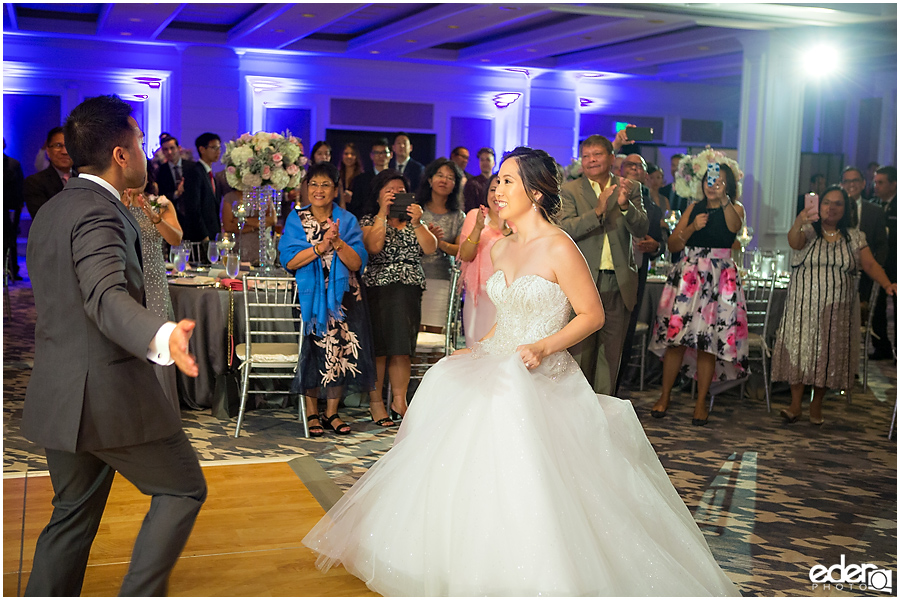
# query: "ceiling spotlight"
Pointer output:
{"type": "Point", "coordinates": [374, 52]}
{"type": "Point", "coordinates": [126, 33]}
{"type": "Point", "coordinates": [702, 47]}
{"type": "Point", "coordinates": [820, 60]}
{"type": "Point", "coordinates": [308, 16]}
{"type": "Point", "coordinates": [585, 102]}
{"type": "Point", "coordinates": [504, 99]}
{"type": "Point", "coordinates": [135, 19]}
{"type": "Point", "coordinates": [485, 60]}
{"type": "Point", "coordinates": [452, 26]}
{"type": "Point", "coordinates": [410, 41]}
{"type": "Point", "coordinates": [140, 97]}
{"type": "Point", "coordinates": [640, 58]}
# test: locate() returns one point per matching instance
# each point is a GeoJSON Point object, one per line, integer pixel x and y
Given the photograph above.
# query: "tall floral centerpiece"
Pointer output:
{"type": "Point", "coordinates": [262, 166]}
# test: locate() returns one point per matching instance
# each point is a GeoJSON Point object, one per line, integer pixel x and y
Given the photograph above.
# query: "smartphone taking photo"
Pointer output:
{"type": "Point", "coordinates": [639, 134]}
{"type": "Point", "coordinates": [811, 206]}
{"type": "Point", "coordinates": [400, 203]}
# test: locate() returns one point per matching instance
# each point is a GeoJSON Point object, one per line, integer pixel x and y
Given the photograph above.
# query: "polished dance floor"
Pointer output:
{"type": "Point", "coordinates": [773, 500]}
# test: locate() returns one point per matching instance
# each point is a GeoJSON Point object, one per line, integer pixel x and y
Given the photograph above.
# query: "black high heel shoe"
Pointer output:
{"type": "Point", "coordinates": [315, 430]}
{"type": "Point", "coordinates": [342, 429]}
{"type": "Point", "coordinates": [699, 422]}
{"type": "Point", "coordinates": [658, 414]}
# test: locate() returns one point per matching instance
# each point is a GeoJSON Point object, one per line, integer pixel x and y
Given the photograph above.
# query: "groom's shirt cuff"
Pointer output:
{"type": "Point", "coordinates": [159, 345]}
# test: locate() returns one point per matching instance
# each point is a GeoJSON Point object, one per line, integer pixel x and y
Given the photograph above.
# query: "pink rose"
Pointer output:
{"type": "Point", "coordinates": [245, 137]}
{"type": "Point", "coordinates": [292, 169]}
{"type": "Point", "coordinates": [675, 325]}
{"type": "Point", "coordinates": [231, 170]}
{"type": "Point", "coordinates": [691, 283]}
{"type": "Point", "coordinates": [699, 168]}
{"type": "Point", "coordinates": [266, 172]}
{"type": "Point", "coordinates": [277, 157]}
{"type": "Point", "coordinates": [728, 282]}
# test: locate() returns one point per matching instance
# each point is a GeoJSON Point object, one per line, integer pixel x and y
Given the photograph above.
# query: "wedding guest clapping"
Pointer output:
{"type": "Point", "coordinates": [481, 229]}
{"type": "Point", "coordinates": [323, 246]}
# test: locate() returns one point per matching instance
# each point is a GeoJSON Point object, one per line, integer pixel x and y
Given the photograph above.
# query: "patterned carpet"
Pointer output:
{"type": "Point", "coordinates": [773, 500]}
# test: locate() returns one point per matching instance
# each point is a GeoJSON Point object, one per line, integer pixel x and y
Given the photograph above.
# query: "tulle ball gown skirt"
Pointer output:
{"type": "Point", "coordinates": [509, 482]}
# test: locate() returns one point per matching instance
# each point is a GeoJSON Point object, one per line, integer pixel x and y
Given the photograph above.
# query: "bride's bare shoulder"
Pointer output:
{"type": "Point", "coordinates": [500, 246]}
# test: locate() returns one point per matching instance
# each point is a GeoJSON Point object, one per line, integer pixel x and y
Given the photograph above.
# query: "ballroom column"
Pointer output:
{"type": "Point", "coordinates": [770, 134]}
{"type": "Point", "coordinates": [553, 115]}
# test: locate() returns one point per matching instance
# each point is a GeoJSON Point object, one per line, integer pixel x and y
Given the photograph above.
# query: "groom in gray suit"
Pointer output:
{"type": "Point", "coordinates": [602, 213]}
{"type": "Point", "coordinates": [93, 401]}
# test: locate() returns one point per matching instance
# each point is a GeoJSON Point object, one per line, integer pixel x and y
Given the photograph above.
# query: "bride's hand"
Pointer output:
{"type": "Point", "coordinates": [461, 351]}
{"type": "Point", "coordinates": [532, 355]}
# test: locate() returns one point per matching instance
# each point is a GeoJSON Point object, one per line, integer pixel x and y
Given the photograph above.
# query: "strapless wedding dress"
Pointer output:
{"type": "Point", "coordinates": [509, 482]}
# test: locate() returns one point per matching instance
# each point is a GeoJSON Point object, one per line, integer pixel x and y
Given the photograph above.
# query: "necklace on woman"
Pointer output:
{"type": "Point", "coordinates": [830, 234]}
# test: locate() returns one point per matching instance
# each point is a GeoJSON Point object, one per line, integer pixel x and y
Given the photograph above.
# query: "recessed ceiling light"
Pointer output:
{"type": "Point", "coordinates": [309, 16]}
{"type": "Point", "coordinates": [702, 47]}
{"type": "Point", "coordinates": [640, 58]}
{"type": "Point", "coordinates": [452, 26]}
{"type": "Point", "coordinates": [587, 37]}
{"type": "Point", "coordinates": [410, 41]}
{"type": "Point", "coordinates": [126, 33]}
{"type": "Point", "coordinates": [531, 50]}
{"type": "Point", "coordinates": [374, 52]}
{"type": "Point", "coordinates": [485, 60]}
{"type": "Point", "coordinates": [278, 30]}
{"type": "Point", "coordinates": [135, 19]}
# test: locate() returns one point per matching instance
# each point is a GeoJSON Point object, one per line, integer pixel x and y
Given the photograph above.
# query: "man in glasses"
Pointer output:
{"type": "Point", "coordinates": [42, 186]}
{"type": "Point", "coordinates": [870, 219]}
{"type": "Point", "coordinates": [362, 185]}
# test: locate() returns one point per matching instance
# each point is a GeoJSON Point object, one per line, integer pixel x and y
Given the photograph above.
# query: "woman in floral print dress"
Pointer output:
{"type": "Point", "coordinates": [323, 245]}
{"type": "Point", "coordinates": [701, 322]}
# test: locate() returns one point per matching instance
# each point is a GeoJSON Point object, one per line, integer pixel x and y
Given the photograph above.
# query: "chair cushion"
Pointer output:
{"type": "Point", "coordinates": [430, 342]}
{"type": "Point", "coordinates": [270, 353]}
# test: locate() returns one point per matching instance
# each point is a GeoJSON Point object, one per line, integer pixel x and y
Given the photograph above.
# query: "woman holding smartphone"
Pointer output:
{"type": "Point", "coordinates": [394, 281]}
{"type": "Point", "coordinates": [817, 343]}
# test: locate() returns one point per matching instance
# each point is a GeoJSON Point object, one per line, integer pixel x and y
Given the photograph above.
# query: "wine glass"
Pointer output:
{"type": "Point", "coordinates": [232, 264]}
{"type": "Point", "coordinates": [212, 252]}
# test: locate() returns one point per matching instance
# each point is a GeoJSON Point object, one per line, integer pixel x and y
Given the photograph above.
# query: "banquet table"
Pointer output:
{"type": "Point", "coordinates": [217, 387]}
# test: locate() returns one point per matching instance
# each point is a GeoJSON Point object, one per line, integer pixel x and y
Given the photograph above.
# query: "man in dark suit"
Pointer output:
{"type": "Point", "coordinates": [362, 184]}
{"type": "Point", "coordinates": [42, 186]}
{"type": "Point", "coordinates": [170, 176]}
{"type": "Point", "coordinates": [870, 219]}
{"type": "Point", "coordinates": [603, 213]}
{"type": "Point", "coordinates": [646, 249]}
{"type": "Point", "coordinates": [404, 163]}
{"type": "Point", "coordinates": [676, 202]}
{"type": "Point", "coordinates": [13, 201]}
{"type": "Point", "coordinates": [476, 188]}
{"type": "Point", "coordinates": [198, 207]}
{"type": "Point", "coordinates": [93, 401]}
{"type": "Point", "coordinates": [886, 192]}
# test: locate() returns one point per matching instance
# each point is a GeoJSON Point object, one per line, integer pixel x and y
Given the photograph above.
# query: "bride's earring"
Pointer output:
{"type": "Point", "coordinates": [534, 207]}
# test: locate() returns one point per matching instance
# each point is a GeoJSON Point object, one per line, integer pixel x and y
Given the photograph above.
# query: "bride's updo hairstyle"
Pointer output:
{"type": "Point", "coordinates": [539, 171]}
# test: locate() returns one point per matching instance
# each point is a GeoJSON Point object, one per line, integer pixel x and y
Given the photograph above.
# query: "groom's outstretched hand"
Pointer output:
{"type": "Point", "coordinates": [178, 348]}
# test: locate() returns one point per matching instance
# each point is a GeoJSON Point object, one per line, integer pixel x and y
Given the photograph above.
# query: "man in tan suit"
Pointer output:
{"type": "Point", "coordinates": [602, 213]}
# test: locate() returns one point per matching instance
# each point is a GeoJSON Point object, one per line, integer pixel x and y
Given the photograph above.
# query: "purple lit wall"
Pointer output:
{"type": "Point", "coordinates": [26, 120]}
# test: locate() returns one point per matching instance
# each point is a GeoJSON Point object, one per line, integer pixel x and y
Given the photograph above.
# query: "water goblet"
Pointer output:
{"type": "Point", "coordinates": [232, 264]}
{"type": "Point", "coordinates": [212, 252]}
{"type": "Point", "coordinates": [180, 260]}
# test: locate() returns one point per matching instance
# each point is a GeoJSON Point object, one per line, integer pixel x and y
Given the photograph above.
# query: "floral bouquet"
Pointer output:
{"type": "Point", "coordinates": [691, 173]}
{"type": "Point", "coordinates": [263, 159]}
{"type": "Point", "coordinates": [573, 171]}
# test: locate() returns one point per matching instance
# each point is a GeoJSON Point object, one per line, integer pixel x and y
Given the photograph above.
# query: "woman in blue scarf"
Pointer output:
{"type": "Point", "coordinates": [323, 246]}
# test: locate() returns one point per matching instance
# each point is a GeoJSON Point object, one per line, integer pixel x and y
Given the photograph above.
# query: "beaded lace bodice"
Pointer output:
{"type": "Point", "coordinates": [528, 310]}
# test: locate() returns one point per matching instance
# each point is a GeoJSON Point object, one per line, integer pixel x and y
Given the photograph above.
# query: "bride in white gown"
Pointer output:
{"type": "Point", "coordinates": [509, 476]}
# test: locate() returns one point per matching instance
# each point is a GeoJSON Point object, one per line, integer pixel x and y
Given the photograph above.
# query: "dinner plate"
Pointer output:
{"type": "Point", "coordinates": [192, 281]}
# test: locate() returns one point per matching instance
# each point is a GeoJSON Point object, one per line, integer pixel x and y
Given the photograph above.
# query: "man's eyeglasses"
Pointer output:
{"type": "Point", "coordinates": [57, 146]}
{"type": "Point", "coordinates": [846, 181]}
{"type": "Point", "coordinates": [381, 152]}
